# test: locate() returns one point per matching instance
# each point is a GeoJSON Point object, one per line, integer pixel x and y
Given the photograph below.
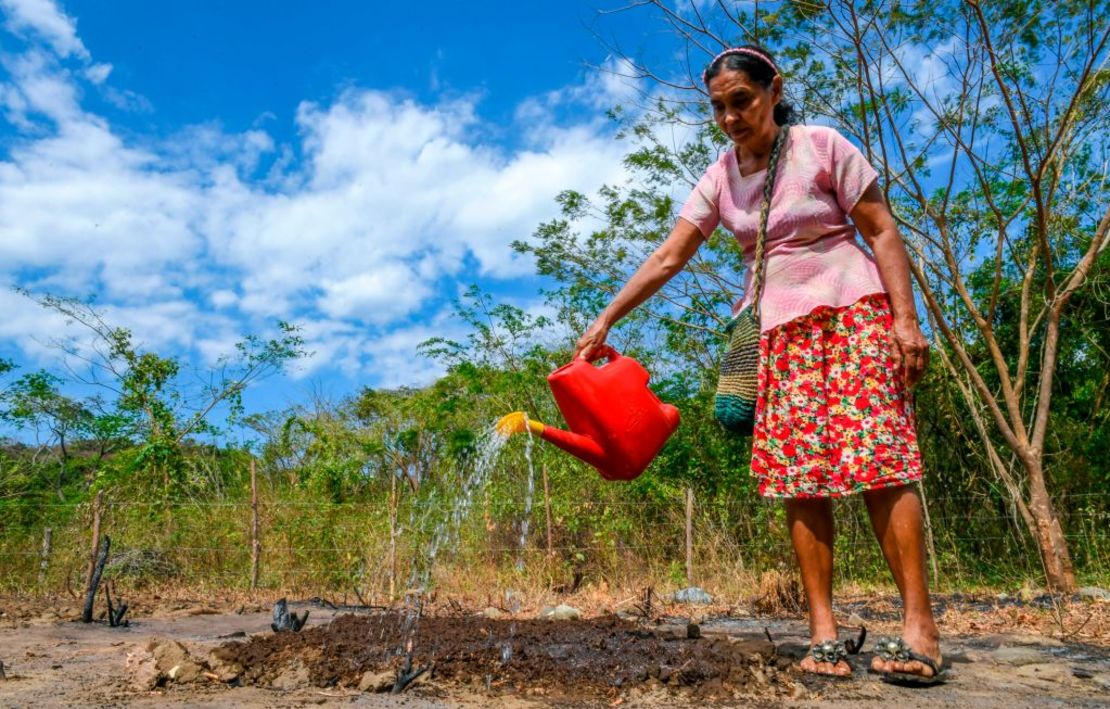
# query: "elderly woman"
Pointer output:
{"type": "Point", "coordinates": [840, 344]}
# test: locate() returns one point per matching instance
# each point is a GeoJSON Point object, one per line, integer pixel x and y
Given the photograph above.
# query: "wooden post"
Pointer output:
{"type": "Point", "coordinates": [94, 580]}
{"type": "Point", "coordinates": [547, 510]}
{"type": "Point", "coordinates": [689, 535]}
{"type": "Point", "coordinates": [256, 542]}
{"type": "Point", "coordinates": [392, 536]}
{"type": "Point", "coordinates": [95, 538]}
{"type": "Point", "coordinates": [44, 556]}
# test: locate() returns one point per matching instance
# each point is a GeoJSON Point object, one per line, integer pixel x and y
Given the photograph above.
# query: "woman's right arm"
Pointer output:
{"type": "Point", "coordinates": [667, 260]}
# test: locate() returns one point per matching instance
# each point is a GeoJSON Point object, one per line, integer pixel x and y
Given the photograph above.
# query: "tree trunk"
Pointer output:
{"type": "Point", "coordinates": [256, 542]}
{"type": "Point", "coordinates": [1049, 534]}
{"type": "Point", "coordinates": [95, 538]}
{"type": "Point", "coordinates": [44, 556]}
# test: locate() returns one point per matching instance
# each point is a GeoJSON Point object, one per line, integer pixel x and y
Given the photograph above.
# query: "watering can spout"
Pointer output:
{"type": "Point", "coordinates": [518, 422]}
{"type": "Point", "coordinates": [576, 444]}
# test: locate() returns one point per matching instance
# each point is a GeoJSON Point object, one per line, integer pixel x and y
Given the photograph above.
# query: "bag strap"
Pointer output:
{"type": "Point", "coordinates": [764, 212]}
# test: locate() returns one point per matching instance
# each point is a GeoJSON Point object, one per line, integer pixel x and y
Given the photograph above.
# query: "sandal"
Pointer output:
{"type": "Point", "coordinates": [833, 651]}
{"type": "Point", "coordinates": [896, 650]}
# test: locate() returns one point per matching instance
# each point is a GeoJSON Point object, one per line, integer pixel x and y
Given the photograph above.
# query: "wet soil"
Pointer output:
{"type": "Point", "coordinates": [1002, 655]}
{"type": "Point", "coordinates": [564, 660]}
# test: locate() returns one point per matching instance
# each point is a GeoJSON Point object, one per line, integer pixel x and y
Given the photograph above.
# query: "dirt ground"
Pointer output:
{"type": "Point", "coordinates": [1003, 652]}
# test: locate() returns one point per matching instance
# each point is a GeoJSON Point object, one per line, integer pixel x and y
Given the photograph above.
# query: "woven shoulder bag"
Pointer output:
{"type": "Point", "coordinates": [738, 385]}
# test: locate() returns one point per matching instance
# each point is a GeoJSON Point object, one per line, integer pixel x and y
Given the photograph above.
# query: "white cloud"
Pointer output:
{"type": "Point", "coordinates": [45, 19]}
{"type": "Point", "coordinates": [360, 224]}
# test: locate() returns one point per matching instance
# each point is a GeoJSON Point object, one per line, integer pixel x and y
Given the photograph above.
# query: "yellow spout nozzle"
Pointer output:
{"type": "Point", "coordinates": [518, 422]}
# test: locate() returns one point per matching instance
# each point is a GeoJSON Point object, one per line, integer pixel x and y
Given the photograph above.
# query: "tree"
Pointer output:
{"type": "Point", "coordinates": [152, 399]}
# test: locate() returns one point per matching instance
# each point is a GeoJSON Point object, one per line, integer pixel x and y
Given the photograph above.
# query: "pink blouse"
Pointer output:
{"type": "Point", "coordinates": [812, 255]}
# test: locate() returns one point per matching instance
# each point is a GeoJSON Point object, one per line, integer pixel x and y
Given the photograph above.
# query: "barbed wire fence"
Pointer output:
{"type": "Point", "coordinates": [339, 546]}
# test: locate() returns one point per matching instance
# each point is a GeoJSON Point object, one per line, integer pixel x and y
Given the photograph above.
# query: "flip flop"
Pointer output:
{"type": "Point", "coordinates": [833, 651]}
{"type": "Point", "coordinates": [896, 649]}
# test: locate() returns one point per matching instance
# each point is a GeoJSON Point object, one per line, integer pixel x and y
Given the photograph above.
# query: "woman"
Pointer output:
{"type": "Point", "coordinates": [840, 342]}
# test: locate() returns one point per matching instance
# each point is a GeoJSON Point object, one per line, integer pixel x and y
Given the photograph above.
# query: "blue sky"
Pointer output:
{"type": "Point", "coordinates": [206, 168]}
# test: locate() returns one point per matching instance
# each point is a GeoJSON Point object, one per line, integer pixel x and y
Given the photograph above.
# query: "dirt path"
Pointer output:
{"type": "Point", "coordinates": [53, 663]}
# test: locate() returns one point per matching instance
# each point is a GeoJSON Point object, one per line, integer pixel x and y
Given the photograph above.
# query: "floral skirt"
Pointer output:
{"type": "Point", "coordinates": [833, 415]}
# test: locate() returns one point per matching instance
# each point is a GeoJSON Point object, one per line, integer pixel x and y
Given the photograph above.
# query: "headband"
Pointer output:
{"type": "Point", "coordinates": [738, 50]}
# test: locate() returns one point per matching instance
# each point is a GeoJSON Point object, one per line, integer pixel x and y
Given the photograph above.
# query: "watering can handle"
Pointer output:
{"type": "Point", "coordinates": [605, 352]}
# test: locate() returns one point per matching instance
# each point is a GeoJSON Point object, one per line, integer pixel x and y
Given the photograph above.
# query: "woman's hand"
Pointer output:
{"type": "Point", "coordinates": [592, 340]}
{"type": "Point", "coordinates": [911, 349]}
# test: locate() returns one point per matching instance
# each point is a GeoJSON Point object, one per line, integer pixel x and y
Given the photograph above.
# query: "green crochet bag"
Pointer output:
{"type": "Point", "coordinates": [738, 384]}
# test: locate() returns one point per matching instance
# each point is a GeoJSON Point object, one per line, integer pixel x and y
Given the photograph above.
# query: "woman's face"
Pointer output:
{"type": "Point", "coordinates": [744, 110]}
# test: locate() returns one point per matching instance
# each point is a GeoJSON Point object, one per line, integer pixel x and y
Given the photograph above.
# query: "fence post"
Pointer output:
{"type": "Point", "coordinates": [689, 536]}
{"type": "Point", "coordinates": [547, 510]}
{"type": "Point", "coordinates": [95, 538]}
{"type": "Point", "coordinates": [256, 542]}
{"type": "Point", "coordinates": [44, 556]}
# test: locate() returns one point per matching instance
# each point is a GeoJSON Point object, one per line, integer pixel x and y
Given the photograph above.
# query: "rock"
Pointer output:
{"type": "Point", "coordinates": [173, 660]}
{"type": "Point", "coordinates": [493, 613]}
{"type": "Point", "coordinates": [1102, 681]}
{"type": "Point", "coordinates": [1017, 656]}
{"type": "Point", "coordinates": [693, 594]}
{"type": "Point", "coordinates": [693, 631]}
{"type": "Point", "coordinates": [755, 649]}
{"type": "Point", "coordinates": [1094, 593]}
{"type": "Point", "coordinates": [144, 672]}
{"type": "Point", "coordinates": [225, 668]}
{"type": "Point", "coordinates": [560, 612]}
{"type": "Point", "coordinates": [382, 681]}
{"type": "Point", "coordinates": [292, 677]}
{"type": "Point", "coordinates": [855, 620]}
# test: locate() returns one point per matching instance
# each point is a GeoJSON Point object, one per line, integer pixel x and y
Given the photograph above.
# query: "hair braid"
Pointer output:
{"type": "Point", "coordinates": [764, 212]}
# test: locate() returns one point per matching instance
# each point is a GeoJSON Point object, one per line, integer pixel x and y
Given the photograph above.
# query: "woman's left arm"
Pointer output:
{"type": "Point", "coordinates": [875, 222]}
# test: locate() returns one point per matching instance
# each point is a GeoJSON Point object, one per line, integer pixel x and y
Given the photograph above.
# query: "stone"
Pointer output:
{"type": "Point", "coordinates": [693, 595]}
{"type": "Point", "coordinates": [145, 676]}
{"type": "Point", "coordinates": [381, 681]}
{"type": "Point", "coordinates": [855, 620]}
{"type": "Point", "coordinates": [1094, 593]}
{"type": "Point", "coordinates": [173, 660]}
{"type": "Point", "coordinates": [1017, 656]}
{"type": "Point", "coordinates": [225, 669]}
{"type": "Point", "coordinates": [754, 649]}
{"type": "Point", "coordinates": [295, 676]}
{"type": "Point", "coordinates": [693, 631]}
{"type": "Point", "coordinates": [560, 612]}
{"type": "Point", "coordinates": [493, 613]}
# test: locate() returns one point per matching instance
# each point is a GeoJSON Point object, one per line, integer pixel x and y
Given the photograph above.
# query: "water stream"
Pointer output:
{"type": "Point", "coordinates": [447, 531]}
{"type": "Point", "coordinates": [528, 497]}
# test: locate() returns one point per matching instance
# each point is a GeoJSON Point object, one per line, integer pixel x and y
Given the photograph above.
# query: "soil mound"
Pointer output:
{"type": "Point", "coordinates": [594, 658]}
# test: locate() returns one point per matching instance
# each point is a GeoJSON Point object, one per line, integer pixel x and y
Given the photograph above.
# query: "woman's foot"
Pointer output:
{"type": "Point", "coordinates": [920, 641]}
{"type": "Point", "coordinates": [826, 658]}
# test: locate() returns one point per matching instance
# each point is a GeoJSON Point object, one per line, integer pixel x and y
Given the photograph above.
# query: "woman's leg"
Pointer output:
{"type": "Point", "coordinates": [811, 530]}
{"type": "Point", "coordinates": [896, 518]}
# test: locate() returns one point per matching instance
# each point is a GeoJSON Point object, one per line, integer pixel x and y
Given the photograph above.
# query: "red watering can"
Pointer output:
{"type": "Point", "coordinates": [616, 423]}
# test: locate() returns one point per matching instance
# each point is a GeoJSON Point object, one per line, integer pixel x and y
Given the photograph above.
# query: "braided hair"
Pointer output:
{"type": "Point", "coordinates": [764, 212]}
